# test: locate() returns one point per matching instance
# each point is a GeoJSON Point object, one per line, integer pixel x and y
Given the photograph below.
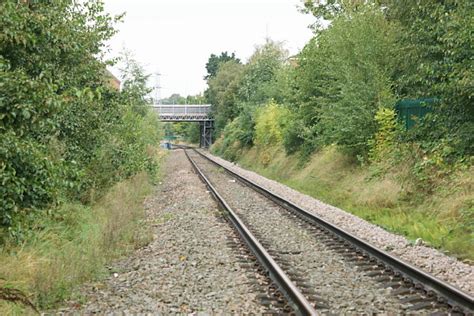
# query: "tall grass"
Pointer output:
{"type": "Point", "coordinates": [444, 218]}
{"type": "Point", "coordinates": [74, 244]}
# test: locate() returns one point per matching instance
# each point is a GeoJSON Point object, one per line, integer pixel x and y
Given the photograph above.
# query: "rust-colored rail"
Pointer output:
{"type": "Point", "coordinates": [287, 287]}
{"type": "Point", "coordinates": [459, 300]}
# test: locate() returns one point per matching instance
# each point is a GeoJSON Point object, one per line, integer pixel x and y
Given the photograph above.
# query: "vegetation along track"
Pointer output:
{"type": "Point", "coordinates": [335, 271]}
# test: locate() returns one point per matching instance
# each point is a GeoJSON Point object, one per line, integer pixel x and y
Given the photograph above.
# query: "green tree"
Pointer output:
{"type": "Point", "coordinates": [134, 84]}
{"type": "Point", "coordinates": [129, 133]}
{"type": "Point", "coordinates": [237, 91]}
{"type": "Point", "coordinates": [175, 98]}
{"type": "Point", "coordinates": [328, 10]}
{"type": "Point", "coordinates": [344, 75]}
{"type": "Point", "coordinates": [64, 131]}
{"type": "Point", "coordinates": [214, 62]}
{"type": "Point", "coordinates": [50, 67]}
{"type": "Point", "coordinates": [195, 99]}
{"type": "Point", "coordinates": [223, 93]}
{"type": "Point", "coordinates": [258, 81]}
{"type": "Point", "coordinates": [438, 44]}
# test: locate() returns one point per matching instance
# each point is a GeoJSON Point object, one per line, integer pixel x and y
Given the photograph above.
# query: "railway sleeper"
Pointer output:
{"type": "Point", "coordinates": [374, 273]}
{"type": "Point", "coordinates": [392, 285]}
{"type": "Point", "coordinates": [423, 305]}
{"type": "Point", "coordinates": [417, 292]}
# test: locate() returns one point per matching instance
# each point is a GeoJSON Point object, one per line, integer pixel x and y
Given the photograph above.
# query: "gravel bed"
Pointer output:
{"type": "Point", "coordinates": [431, 260]}
{"type": "Point", "coordinates": [189, 267]}
{"type": "Point", "coordinates": [338, 285]}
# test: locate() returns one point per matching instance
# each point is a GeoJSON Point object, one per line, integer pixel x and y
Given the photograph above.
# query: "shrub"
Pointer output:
{"type": "Point", "coordinates": [64, 133]}
{"type": "Point", "coordinates": [343, 77]}
{"type": "Point", "coordinates": [384, 139]}
{"type": "Point", "coordinates": [73, 245]}
{"type": "Point", "coordinates": [269, 124]}
{"type": "Point", "coordinates": [28, 178]}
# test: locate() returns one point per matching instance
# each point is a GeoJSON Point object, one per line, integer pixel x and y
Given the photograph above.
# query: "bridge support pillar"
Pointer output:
{"type": "Point", "coordinates": [206, 128]}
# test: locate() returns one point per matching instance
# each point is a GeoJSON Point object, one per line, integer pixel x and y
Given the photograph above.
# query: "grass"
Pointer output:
{"type": "Point", "coordinates": [444, 218]}
{"type": "Point", "coordinates": [73, 246]}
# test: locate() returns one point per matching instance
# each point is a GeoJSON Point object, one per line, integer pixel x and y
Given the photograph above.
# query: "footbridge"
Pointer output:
{"type": "Point", "coordinates": [200, 113]}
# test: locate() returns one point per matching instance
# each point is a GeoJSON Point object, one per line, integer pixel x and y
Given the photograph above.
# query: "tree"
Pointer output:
{"type": "Point", "coordinates": [261, 71]}
{"type": "Point", "coordinates": [435, 47]}
{"type": "Point", "coordinates": [343, 76]}
{"type": "Point", "coordinates": [64, 131]}
{"type": "Point", "coordinates": [437, 38]}
{"type": "Point", "coordinates": [195, 99]}
{"type": "Point", "coordinates": [223, 93]}
{"type": "Point", "coordinates": [50, 67]}
{"type": "Point", "coordinates": [212, 66]}
{"type": "Point", "coordinates": [134, 84]}
{"type": "Point", "coordinates": [323, 10]}
{"type": "Point", "coordinates": [329, 10]}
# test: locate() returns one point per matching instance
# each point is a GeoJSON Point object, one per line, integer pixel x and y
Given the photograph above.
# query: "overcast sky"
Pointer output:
{"type": "Point", "coordinates": [176, 37]}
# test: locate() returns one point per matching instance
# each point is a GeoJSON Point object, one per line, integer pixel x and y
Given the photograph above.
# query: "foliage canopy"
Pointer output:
{"type": "Point", "coordinates": [65, 132]}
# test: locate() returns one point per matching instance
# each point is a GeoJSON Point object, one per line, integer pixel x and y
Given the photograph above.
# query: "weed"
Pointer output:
{"type": "Point", "coordinates": [73, 245]}
{"type": "Point", "coordinates": [163, 219]}
{"type": "Point", "coordinates": [443, 218]}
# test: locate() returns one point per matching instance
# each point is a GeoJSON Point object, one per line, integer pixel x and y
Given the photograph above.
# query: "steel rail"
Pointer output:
{"type": "Point", "coordinates": [453, 296]}
{"type": "Point", "coordinates": [298, 301]}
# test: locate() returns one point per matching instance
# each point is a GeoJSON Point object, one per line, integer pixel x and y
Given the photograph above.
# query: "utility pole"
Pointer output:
{"type": "Point", "coordinates": [157, 88]}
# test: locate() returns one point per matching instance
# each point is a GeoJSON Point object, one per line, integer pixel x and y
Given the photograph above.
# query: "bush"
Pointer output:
{"type": "Point", "coordinates": [437, 41]}
{"type": "Point", "coordinates": [127, 152]}
{"type": "Point", "coordinates": [65, 134]}
{"type": "Point", "coordinates": [269, 124]}
{"type": "Point", "coordinates": [29, 179]}
{"type": "Point", "coordinates": [228, 144]}
{"type": "Point", "coordinates": [74, 244]}
{"type": "Point", "coordinates": [343, 77]}
{"type": "Point", "coordinates": [384, 140]}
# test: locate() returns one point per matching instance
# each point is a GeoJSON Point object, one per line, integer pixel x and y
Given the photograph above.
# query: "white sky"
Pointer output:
{"type": "Point", "coordinates": [176, 37]}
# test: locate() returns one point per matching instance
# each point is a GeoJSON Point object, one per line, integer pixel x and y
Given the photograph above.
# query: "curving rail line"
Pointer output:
{"type": "Point", "coordinates": [460, 301]}
{"type": "Point", "coordinates": [289, 289]}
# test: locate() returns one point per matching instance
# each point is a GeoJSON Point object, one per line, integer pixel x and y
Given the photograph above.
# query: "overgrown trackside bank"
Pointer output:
{"type": "Point", "coordinates": [74, 245]}
{"type": "Point", "coordinates": [77, 154]}
{"type": "Point", "coordinates": [442, 219]}
{"type": "Point", "coordinates": [374, 114]}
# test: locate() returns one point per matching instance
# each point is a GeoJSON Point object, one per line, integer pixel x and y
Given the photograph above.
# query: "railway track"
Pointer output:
{"type": "Point", "coordinates": [317, 266]}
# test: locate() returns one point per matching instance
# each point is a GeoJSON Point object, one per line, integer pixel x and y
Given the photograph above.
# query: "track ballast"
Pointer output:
{"type": "Point", "coordinates": [334, 271]}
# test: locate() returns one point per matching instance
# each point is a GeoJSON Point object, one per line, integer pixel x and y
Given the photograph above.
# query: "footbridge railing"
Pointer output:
{"type": "Point", "coordinates": [183, 113]}
{"type": "Point", "coordinates": [189, 113]}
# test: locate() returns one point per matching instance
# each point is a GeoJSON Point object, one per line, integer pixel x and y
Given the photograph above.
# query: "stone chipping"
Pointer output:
{"type": "Point", "coordinates": [440, 265]}
{"type": "Point", "coordinates": [338, 285]}
{"type": "Point", "coordinates": [189, 266]}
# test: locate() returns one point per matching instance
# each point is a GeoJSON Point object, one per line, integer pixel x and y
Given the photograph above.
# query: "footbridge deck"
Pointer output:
{"type": "Point", "coordinates": [189, 113]}
{"type": "Point", "coordinates": [183, 113]}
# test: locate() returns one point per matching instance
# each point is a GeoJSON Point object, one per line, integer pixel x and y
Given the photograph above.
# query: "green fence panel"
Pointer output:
{"type": "Point", "coordinates": [410, 111]}
{"type": "Point", "coordinates": [170, 137]}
